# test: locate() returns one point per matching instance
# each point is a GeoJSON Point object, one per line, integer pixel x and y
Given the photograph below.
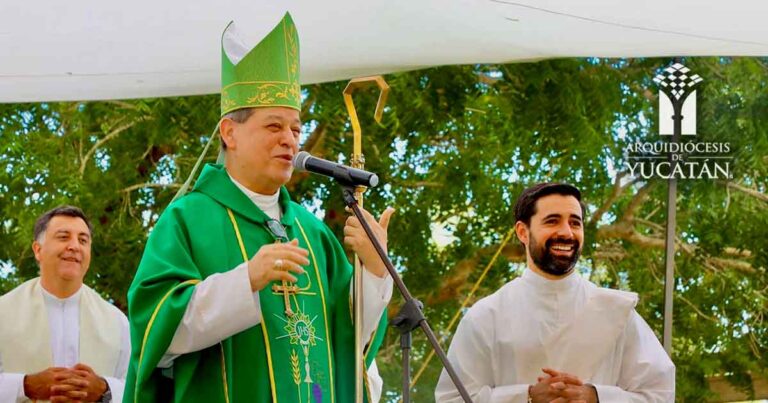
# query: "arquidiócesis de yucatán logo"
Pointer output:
{"type": "Point", "coordinates": [677, 154]}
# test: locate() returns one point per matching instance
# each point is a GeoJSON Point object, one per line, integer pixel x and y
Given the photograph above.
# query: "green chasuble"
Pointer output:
{"type": "Point", "coordinates": [308, 357]}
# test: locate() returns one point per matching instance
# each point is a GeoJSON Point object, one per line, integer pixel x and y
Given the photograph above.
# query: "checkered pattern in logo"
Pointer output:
{"type": "Point", "coordinates": [675, 80]}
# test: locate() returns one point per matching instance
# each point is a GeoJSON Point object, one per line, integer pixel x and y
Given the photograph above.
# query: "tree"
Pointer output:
{"type": "Point", "coordinates": [455, 148]}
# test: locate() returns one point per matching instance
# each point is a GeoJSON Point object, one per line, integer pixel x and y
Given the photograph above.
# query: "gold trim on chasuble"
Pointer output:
{"type": "Point", "coordinates": [322, 296]}
{"type": "Point", "coordinates": [298, 327]}
{"type": "Point", "coordinates": [146, 336]}
{"type": "Point", "coordinates": [325, 309]}
{"type": "Point", "coordinates": [263, 327]}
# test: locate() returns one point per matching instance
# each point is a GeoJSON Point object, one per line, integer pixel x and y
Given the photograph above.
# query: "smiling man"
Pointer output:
{"type": "Point", "coordinates": [550, 335]}
{"type": "Point", "coordinates": [59, 340]}
{"type": "Point", "coordinates": [242, 295]}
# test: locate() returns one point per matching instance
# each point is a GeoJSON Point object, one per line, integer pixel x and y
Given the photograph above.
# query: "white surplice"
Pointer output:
{"type": "Point", "coordinates": [64, 325]}
{"type": "Point", "coordinates": [569, 325]}
{"type": "Point", "coordinates": [223, 305]}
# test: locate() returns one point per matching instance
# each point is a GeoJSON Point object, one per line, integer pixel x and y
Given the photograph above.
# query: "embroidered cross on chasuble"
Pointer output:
{"type": "Point", "coordinates": [298, 327]}
{"type": "Point", "coordinates": [278, 231]}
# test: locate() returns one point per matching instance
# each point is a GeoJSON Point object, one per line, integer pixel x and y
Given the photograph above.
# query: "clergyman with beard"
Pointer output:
{"type": "Point", "coordinates": [551, 335]}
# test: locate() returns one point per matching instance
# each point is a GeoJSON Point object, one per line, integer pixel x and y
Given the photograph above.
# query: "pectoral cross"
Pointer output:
{"type": "Point", "coordinates": [278, 231]}
{"type": "Point", "coordinates": [286, 289]}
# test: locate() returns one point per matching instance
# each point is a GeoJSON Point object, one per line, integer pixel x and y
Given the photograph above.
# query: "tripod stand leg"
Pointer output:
{"type": "Point", "coordinates": [405, 346]}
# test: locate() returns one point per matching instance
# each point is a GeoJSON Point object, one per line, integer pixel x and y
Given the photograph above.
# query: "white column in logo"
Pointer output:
{"type": "Point", "coordinates": [667, 124]}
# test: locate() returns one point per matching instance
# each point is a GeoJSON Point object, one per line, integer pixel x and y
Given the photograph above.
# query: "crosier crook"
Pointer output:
{"type": "Point", "coordinates": [358, 161]}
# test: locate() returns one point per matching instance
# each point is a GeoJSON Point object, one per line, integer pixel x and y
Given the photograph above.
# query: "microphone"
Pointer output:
{"type": "Point", "coordinates": [343, 174]}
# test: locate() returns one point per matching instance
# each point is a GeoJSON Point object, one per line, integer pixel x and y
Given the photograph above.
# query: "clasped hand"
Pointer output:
{"type": "Point", "coordinates": [560, 387]}
{"type": "Point", "coordinates": [65, 385]}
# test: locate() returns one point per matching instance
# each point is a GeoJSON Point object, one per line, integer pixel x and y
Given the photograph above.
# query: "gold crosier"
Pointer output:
{"type": "Point", "coordinates": [358, 161]}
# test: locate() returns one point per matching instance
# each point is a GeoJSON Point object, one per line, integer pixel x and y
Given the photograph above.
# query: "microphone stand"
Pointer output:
{"type": "Point", "coordinates": [410, 316]}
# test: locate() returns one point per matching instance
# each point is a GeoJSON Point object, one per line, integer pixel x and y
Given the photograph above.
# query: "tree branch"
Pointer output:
{"type": "Point", "coordinates": [739, 265]}
{"type": "Point", "coordinates": [625, 231]}
{"type": "Point", "coordinates": [617, 189]}
{"type": "Point", "coordinates": [695, 308]}
{"type": "Point", "coordinates": [309, 102]}
{"type": "Point", "coordinates": [122, 104]}
{"type": "Point", "coordinates": [315, 140]}
{"type": "Point", "coordinates": [457, 282]}
{"type": "Point", "coordinates": [737, 252]}
{"type": "Point", "coordinates": [636, 202]}
{"type": "Point", "coordinates": [648, 223]}
{"type": "Point", "coordinates": [150, 185]}
{"type": "Point", "coordinates": [754, 193]}
{"type": "Point", "coordinates": [103, 140]}
{"type": "Point", "coordinates": [486, 79]}
{"type": "Point", "coordinates": [419, 184]}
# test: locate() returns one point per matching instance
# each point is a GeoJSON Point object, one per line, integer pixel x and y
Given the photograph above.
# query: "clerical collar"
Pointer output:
{"type": "Point", "coordinates": [267, 203]}
{"type": "Point", "coordinates": [72, 298]}
{"type": "Point", "coordinates": [540, 282]}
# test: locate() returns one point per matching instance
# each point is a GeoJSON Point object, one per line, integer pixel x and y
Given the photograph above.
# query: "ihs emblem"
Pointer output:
{"type": "Point", "coordinates": [300, 330]}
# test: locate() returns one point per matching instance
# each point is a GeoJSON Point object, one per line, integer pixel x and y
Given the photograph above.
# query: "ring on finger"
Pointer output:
{"type": "Point", "coordinates": [279, 264]}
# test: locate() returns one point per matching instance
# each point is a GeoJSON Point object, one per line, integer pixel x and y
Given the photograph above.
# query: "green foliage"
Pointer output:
{"type": "Point", "coordinates": [456, 146]}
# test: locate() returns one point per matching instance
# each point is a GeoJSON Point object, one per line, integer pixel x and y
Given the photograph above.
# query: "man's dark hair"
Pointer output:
{"type": "Point", "coordinates": [70, 211]}
{"type": "Point", "coordinates": [238, 116]}
{"type": "Point", "coordinates": [525, 207]}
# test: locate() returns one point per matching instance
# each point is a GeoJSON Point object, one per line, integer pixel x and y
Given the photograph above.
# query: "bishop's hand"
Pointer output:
{"type": "Point", "coordinates": [356, 238]}
{"type": "Point", "coordinates": [273, 262]}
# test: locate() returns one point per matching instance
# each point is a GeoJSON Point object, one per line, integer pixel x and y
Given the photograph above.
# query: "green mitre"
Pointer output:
{"type": "Point", "coordinates": [266, 75]}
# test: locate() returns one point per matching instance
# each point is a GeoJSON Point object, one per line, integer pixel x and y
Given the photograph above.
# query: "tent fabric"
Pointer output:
{"type": "Point", "coordinates": [94, 50]}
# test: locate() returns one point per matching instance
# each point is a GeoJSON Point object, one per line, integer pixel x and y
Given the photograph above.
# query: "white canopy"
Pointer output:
{"type": "Point", "coordinates": [53, 50]}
